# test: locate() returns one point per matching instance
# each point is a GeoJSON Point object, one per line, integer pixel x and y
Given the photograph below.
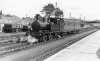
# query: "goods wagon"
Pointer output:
{"type": "Point", "coordinates": [14, 28]}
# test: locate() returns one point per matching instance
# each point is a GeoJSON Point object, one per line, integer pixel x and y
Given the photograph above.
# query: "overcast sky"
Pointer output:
{"type": "Point", "coordinates": [88, 8]}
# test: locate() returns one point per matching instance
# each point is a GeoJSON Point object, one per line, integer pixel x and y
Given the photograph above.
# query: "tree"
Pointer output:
{"type": "Point", "coordinates": [48, 9]}
{"type": "Point", "coordinates": [51, 10]}
{"type": "Point", "coordinates": [1, 12]}
{"type": "Point", "coordinates": [58, 12]}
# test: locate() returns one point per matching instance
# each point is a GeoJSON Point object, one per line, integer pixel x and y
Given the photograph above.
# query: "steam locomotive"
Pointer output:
{"type": "Point", "coordinates": [46, 29]}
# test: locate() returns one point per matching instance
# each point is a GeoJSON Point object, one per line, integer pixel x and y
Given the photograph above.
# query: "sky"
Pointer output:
{"type": "Point", "coordinates": [88, 8]}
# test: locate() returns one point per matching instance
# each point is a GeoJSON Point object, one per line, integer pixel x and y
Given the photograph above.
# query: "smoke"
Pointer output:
{"type": "Point", "coordinates": [28, 38]}
{"type": "Point", "coordinates": [31, 39]}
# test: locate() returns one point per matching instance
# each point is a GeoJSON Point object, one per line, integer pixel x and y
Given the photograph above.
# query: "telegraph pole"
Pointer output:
{"type": "Point", "coordinates": [80, 16]}
{"type": "Point", "coordinates": [26, 15]}
{"type": "Point", "coordinates": [70, 15]}
{"type": "Point", "coordinates": [56, 4]}
{"type": "Point", "coordinates": [84, 18]}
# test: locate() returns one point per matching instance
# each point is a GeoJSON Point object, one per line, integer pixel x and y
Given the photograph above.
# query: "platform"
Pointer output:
{"type": "Point", "coordinates": [84, 50]}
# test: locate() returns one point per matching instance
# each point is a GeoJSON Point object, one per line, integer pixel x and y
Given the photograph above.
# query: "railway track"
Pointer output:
{"type": "Point", "coordinates": [9, 39]}
{"type": "Point", "coordinates": [8, 42]}
{"type": "Point", "coordinates": [15, 47]}
{"type": "Point", "coordinates": [11, 48]}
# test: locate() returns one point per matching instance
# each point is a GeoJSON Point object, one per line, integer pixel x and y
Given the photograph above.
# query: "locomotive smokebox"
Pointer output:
{"type": "Point", "coordinates": [39, 25]}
